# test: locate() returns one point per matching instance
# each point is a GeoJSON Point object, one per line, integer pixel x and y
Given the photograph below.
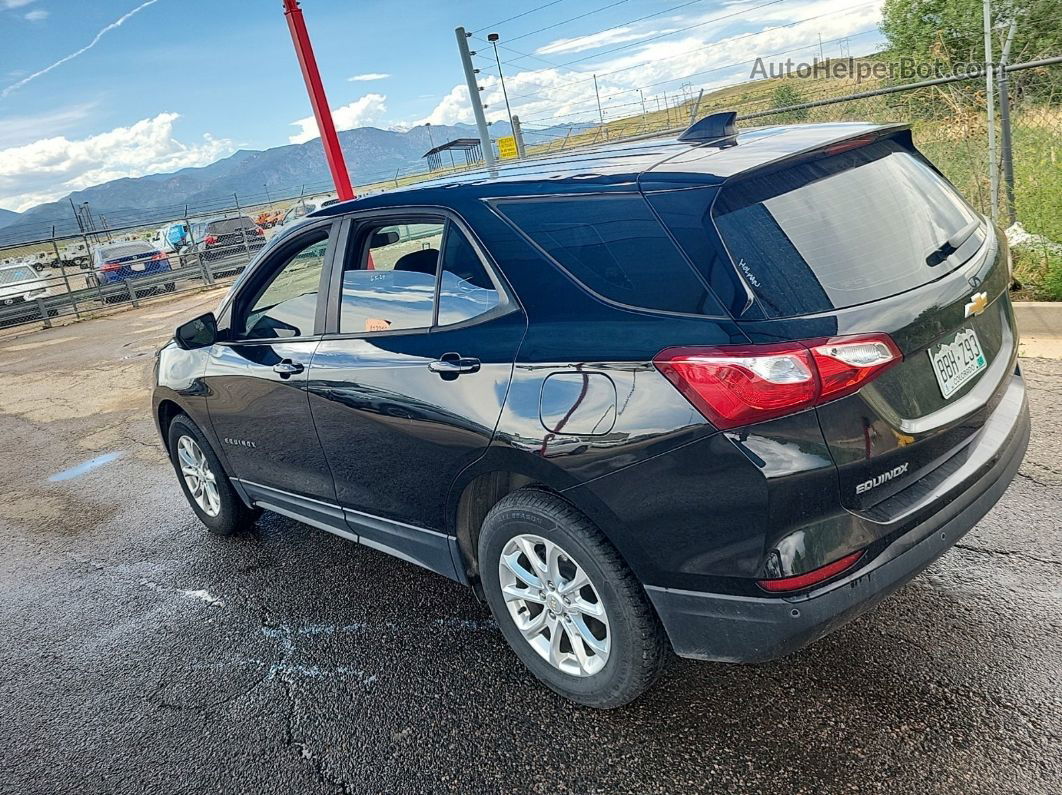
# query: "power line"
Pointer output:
{"type": "Point", "coordinates": [695, 49]}
{"type": "Point", "coordinates": [569, 19]}
{"type": "Point", "coordinates": [524, 14]}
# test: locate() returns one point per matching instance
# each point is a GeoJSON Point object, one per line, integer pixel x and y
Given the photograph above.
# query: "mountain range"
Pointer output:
{"type": "Point", "coordinates": [247, 176]}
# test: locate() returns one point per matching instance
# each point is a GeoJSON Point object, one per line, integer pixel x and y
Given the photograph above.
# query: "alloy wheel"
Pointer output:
{"type": "Point", "coordinates": [201, 481]}
{"type": "Point", "coordinates": [554, 604]}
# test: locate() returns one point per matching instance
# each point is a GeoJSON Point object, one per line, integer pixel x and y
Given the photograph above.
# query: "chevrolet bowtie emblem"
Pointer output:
{"type": "Point", "coordinates": [977, 304]}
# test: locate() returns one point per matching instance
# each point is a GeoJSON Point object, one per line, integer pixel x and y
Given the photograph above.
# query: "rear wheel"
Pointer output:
{"type": "Point", "coordinates": [569, 606]}
{"type": "Point", "coordinates": [204, 482]}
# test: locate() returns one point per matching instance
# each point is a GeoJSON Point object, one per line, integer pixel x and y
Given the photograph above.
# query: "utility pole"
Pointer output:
{"type": "Point", "coordinates": [318, 101]}
{"type": "Point", "coordinates": [493, 39]}
{"type": "Point", "coordinates": [822, 56]}
{"type": "Point", "coordinates": [640, 94]}
{"type": "Point", "coordinates": [600, 113]}
{"type": "Point", "coordinates": [1005, 144]}
{"type": "Point", "coordinates": [473, 96]}
{"type": "Point", "coordinates": [518, 134]}
{"type": "Point", "coordinates": [990, 96]}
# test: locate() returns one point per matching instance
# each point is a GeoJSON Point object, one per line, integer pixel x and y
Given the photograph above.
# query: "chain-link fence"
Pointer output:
{"type": "Point", "coordinates": [107, 263]}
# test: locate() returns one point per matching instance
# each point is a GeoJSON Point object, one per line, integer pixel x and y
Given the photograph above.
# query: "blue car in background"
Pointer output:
{"type": "Point", "coordinates": [128, 261]}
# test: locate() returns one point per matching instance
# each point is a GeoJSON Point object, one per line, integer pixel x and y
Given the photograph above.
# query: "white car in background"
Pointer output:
{"type": "Point", "coordinates": [304, 207]}
{"type": "Point", "coordinates": [20, 284]}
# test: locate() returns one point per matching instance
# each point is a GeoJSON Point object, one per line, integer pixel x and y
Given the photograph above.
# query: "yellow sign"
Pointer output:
{"type": "Point", "coordinates": [507, 147]}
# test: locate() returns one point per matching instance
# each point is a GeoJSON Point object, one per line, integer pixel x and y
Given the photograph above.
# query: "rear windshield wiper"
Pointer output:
{"type": "Point", "coordinates": [951, 245]}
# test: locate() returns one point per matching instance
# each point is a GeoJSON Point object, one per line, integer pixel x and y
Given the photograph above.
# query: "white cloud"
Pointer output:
{"type": "Point", "coordinates": [592, 42]}
{"type": "Point", "coordinates": [15, 3]}
{"type": "Point", "coordinates": [49, 168]}
{"type": "Point", "coordinates": [359, 113]}
{"type": "Point", "coordinates": [37, 16]}
{"type": "Point", "coordinates": [103, 31]}
{"type": "Point", "coordinates": [368, 76]}
{"type": "Point", "coordinates": [717, 52]}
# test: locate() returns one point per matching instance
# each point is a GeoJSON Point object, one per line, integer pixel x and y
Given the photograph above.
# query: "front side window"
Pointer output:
{"type": "Point", "coordinates": [286, 307]}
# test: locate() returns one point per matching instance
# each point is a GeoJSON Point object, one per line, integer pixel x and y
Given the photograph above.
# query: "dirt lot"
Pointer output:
{"type": "Point", "coordinates": [142, 655]}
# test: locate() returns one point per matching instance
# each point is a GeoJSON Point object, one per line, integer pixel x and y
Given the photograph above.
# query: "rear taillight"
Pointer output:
{"type": "Point", "coordinates": [259, 232]}
{"type": "Point", "coordinates": [210, 240]}
{"type": "Point", "coordinates": [111, 266]}
{"type": "Point", "coordinates": [736, 385]}
{"type": "Point", "coordinates": [813, 577]}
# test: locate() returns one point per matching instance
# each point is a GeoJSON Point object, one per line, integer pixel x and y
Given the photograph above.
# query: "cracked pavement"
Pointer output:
{"type": "Point", "coordinates": [140, 654]}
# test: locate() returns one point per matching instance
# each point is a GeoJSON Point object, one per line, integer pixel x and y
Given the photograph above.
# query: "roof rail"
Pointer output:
{"type": "Point", "coordinates": [717, 125]}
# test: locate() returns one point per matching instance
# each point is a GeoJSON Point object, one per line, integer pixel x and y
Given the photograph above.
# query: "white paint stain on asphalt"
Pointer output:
{"type": "Point", "coordinates": [203, 596]}
{"type": "Point", "coordinates": [85, 466]}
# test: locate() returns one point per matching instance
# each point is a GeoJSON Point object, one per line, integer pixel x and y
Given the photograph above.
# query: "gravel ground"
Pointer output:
{"type": "Point", "coordinates": [140, 654]}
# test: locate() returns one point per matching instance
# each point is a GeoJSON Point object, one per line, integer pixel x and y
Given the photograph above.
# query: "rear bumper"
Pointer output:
{"type": "Point", "coordinates": [731, 628]}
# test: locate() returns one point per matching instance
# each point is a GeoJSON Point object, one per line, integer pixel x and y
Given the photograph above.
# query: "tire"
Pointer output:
{"type": "Point", "coordinates": [231, 513]}
{"type": "Point", "coordinates": [628, 649]}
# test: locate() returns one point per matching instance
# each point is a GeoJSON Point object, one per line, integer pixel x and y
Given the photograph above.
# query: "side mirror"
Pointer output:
{"type": "Point", "coordinates": [199, 333]}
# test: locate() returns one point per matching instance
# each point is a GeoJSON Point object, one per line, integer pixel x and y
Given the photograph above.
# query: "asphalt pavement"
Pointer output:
{"type": "Point", "coordinates": [140, 654]}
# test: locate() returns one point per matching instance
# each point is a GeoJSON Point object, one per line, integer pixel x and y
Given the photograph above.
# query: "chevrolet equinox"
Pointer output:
{"type": "Point", "coordinates": [718, 393]}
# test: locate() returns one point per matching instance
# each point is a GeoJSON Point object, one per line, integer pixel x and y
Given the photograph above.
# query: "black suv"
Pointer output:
{"type": "Point", "coordinates": [721, 393]}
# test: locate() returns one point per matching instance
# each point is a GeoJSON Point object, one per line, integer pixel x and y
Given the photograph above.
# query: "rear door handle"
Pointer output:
{"type": "Point", "coordinates": [287, 368]}
{"type": "Point", "coordinates": [451, 365]}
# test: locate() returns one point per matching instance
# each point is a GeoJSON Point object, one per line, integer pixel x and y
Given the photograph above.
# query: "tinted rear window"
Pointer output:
{"type": "Point", "coordinates": [615, 246]}
{"type": "Point", "coordinates": [840, 231]}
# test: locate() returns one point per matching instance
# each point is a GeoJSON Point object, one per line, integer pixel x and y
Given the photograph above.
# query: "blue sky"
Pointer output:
{"type": "Point", "coordinates": [184, 82]}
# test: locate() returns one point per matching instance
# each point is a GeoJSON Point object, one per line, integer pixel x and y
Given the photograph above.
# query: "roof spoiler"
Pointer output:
{"type": "Point", "coordinates": [710, 128]}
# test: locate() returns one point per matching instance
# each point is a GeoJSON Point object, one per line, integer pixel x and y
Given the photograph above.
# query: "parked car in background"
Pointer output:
{"type": "Point", "coordinates": [218, 239]}
{"type": "Point", "coordinates": [19, 285]}
{"type": "Point", "coordinates": [721, 393]}
{"type": "Point", "coordinates": [170, 237]}
{"type": "Point", "coordinates": [130, 261]}
{"type": "Point", "coordinates": [303, 208]}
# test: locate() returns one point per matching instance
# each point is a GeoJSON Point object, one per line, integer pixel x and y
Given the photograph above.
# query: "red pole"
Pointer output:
{"type": "Point", "coordinates": [304, 50]}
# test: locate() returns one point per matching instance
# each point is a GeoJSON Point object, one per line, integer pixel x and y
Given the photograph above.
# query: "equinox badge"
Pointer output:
{"type": "Point", "coordinates": [884, 477]}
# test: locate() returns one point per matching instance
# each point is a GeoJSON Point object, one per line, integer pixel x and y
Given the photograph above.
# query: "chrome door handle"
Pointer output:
{"type": "Point", "coordinates": [451, 365]}
{"type": "Point", "coordinates": [286, 368]}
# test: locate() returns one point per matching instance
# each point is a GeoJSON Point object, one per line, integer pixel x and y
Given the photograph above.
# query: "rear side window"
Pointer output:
{"type": "Point", "coordinates": [844, 230]}
{"type": "Point", "coordinates": [615, 247]}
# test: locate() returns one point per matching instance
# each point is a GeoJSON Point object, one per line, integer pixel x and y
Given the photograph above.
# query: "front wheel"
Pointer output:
{"type": "Point", "coordinates": [204, 482]}
{"type": "Point", "coordinates": [568, 605]}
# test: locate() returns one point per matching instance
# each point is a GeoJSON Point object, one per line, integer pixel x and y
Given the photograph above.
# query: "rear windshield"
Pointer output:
{"type": "Point", "coordinates": [228, 226]}
{"type": "Point", "coordinates": [615, 246]}
{"type": "Point", "coordinates": [841, 231]}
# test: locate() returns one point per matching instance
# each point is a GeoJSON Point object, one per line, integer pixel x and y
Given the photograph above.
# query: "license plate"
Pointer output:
{"type": "Point", "coordinates": [137, 266]}
{"type": "Point", "coordinates": [957, 361]}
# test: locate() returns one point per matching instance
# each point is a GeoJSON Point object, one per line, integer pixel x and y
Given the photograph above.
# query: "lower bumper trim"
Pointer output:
{"type": "Point", "coordinates": [729, 628]}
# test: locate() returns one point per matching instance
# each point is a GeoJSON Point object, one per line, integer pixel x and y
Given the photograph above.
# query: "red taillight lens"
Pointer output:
{"type": "Point", "coordinates": [738, 385]}
{"type": "Point", "coordinates": [210, 240]}
{"type": "Point", "coordinates": [111, 266]}
{"type": "Point", "coordinates": [813, 577]}
{"type": "Point", "coordinates": [260, 232]}
{"type": "Point", "coordinates": [845, 364]}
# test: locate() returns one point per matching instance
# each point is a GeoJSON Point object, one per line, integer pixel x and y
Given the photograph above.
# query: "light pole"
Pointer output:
{"type": "Point", "coordinates": [269, 201]}
{"type": "Point", "coordinates": [493, 39]}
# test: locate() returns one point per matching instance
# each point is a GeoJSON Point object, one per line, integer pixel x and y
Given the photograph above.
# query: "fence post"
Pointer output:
{"type": "Point", "coordinates": [43, 313]}
{"type": "Point", "coordinates": [204, 271]}
{"type": "Point", "coordinates": [132, 293]}
{"type": "Point", "coordinates": [1006, 143]}
{"type": "Point", "coordinates": [990, 101]}
{"type": "Point", "coordinates": [66, 279]}
{"type": "Point", "coordinates": [243, 232]}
